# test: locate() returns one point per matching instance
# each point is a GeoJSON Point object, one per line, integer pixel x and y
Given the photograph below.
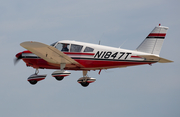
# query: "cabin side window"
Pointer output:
{"type": "Point", "coordinates": [63, 47]}
{"type": "Point", "coordinates": [76, 48]}
{"type": "Point", "coordinates": [88, 49]}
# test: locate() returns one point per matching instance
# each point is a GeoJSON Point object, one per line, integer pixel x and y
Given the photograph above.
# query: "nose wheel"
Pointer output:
{"type": "Point", "coordinates": [34, 78]}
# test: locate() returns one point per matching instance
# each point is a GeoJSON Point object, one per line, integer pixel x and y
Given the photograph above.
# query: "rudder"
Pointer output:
{"type": "Point", "coordinates": [154, 41]}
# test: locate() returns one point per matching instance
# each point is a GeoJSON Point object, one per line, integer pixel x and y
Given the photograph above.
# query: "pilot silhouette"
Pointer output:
{"type": "Point", "coordinates": [65, 48]}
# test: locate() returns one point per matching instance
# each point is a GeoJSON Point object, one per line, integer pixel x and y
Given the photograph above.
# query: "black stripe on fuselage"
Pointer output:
{"type": "Point", "coordinates": [30, 57]}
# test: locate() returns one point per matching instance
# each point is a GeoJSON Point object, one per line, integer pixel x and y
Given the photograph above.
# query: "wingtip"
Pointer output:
{"type": "Point", "coordinates": [34, 44]}
{"type": "Point", "coordinates": [25, 43]}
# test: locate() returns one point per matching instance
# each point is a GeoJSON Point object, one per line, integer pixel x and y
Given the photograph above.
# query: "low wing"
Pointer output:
{"type": "Point", "coordinates": [152, 57]}
{"type": "Point", "coordinates": [48, 53]}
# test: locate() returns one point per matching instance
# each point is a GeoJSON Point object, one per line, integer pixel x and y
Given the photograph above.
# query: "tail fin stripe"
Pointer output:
{"type": "Point", "coordinates": [156, 35]}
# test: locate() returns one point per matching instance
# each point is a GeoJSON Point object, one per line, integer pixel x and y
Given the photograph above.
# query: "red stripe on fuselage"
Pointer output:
{"type": "Point", "coordinates": [27, 51]}
{"type": "Point", "coordinates": [136, 57]}
{"type": "Point", "coordinates": [78, 53]}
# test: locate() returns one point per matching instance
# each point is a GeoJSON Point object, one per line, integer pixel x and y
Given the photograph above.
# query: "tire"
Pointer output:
{"type": "Point", "coordinates": [84, 84]}
{"type": "Point", "coordinates": [59, 78]}
{"type": "Point", "coordinates": [33, 82]}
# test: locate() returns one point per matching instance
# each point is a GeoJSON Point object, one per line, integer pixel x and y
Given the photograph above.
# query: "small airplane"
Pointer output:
{"type": "Point", "coordinates": [73, 55]}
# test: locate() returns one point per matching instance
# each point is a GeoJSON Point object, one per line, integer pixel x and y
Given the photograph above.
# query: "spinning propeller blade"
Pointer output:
{"type": "Point", "coordinates": [18, 57]}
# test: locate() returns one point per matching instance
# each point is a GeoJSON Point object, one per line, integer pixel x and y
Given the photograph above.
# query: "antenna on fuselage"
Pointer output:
{"type": "Point", "coordinates": [123, 43]}
{"type": "Point", "coordinates": [99, 42]}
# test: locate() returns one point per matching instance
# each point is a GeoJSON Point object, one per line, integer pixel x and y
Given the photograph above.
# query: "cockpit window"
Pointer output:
{"type": "Point", "coordinates": [88, 49]}
{"type": "Point", "coordinates": [53, 44]}
{"type": "Point", "coordinates": [63, 47]}
{"type": "Point", "coordinates": [75, 48]}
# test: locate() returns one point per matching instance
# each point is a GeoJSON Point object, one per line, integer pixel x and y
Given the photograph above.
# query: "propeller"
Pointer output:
{"type": "Point", "coordinates": [18, 58]}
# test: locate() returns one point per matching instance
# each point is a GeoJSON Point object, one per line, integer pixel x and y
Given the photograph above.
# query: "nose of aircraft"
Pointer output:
{"type": "Point", "coordinates": [18, 54]}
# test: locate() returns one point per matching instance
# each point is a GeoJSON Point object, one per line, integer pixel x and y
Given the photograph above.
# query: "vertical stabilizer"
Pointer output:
{"type": "Point", "coordinates": [154, 41]}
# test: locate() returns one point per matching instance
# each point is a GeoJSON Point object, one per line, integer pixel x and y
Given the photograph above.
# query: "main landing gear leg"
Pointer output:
{"type": "Point", "coordinates": [37, 71]}
{"type": "Point", "coordinates": [84, 82]}
{"type": "Point", "coordinates": [59, 75]}
{"type": "Point", "coordinates": [62, 65]}
{"type": "Point", "coordinates": [34, 78]}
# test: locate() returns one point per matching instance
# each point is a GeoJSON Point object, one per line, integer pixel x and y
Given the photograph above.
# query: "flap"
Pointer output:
{"type": "Point", "coordinates": [48, 53]}
{"type": "Point", "coordinates": [155, 58]}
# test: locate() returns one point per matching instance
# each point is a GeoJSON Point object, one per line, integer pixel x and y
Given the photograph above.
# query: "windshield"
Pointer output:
{"type": "Point", "coordinates": [53, 44]}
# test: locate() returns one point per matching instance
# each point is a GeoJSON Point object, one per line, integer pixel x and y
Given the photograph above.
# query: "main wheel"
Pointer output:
{"type": "Point", "coordinates": [59, 78]}
{"type": "Point", "coordinates": [33, 82]}
{"type": "Point", "coordinates": [84, 84]}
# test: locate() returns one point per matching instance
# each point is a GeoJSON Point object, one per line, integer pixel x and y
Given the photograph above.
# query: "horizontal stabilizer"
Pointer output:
{"type": "Point", "coordinates": [154, 58]}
